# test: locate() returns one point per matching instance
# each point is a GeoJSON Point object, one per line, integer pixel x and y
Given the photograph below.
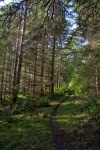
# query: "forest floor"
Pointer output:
{"type": "Point", "coordinates": [66, 124]}
{"type": "Point", "coordinates": [77, 122]}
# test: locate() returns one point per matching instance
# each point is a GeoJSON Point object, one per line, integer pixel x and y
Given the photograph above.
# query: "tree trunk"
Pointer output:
{"type": "Point", "coordinates": [59, 67]}
{"type": "Point", "coordinates": [52, 67]}
{"type": "Point", "coordinates": [18, 75]}
{"type": "Point", "coordinates": [42, 66]}
{"type": "Point", "coordinates": [16, 55]}
{"type": "Point", "coordinates": [35, 71]}
{"type": "Point", "coordinates": [2, 77]}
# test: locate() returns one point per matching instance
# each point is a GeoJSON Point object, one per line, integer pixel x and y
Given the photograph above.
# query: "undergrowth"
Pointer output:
{"type": "Point", "coordinates": [81, 121]}
{"type": "Point", "coordinates": [27, 128]}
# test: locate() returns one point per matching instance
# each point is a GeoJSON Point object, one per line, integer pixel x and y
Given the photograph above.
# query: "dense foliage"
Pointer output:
{"type": "Point", "coordinates": [49, 46]}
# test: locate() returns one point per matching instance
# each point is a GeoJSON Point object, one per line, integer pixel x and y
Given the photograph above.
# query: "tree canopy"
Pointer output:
{"type": "Point", "coordinates": [56, 34]}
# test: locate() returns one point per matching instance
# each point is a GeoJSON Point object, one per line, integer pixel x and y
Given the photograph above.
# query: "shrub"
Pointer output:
{"type": "Point", "coordinates": [44, 102]}
{"type": "Point", "coordinates": [26, 105]}
{"type": "Point", "coordinates": [63, 91]}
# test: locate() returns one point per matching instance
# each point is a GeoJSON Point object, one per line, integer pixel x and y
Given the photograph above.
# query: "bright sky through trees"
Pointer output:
{"type": "Point", "coordinates": [5, 2]}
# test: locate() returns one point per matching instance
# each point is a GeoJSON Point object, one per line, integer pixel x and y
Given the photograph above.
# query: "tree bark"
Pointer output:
{"type": "Point", "coordinates": [18, 75]}
{"type": "Point", "coordinates": [35, 71]}
{"type": "Point", "coordinates": [42, 65]}
{"type": "Point", "coordinates": [2, 77]}
{"type": "Point", "coordinates": [52, 67]}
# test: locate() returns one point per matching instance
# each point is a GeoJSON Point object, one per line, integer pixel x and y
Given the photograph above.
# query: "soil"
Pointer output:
{"type": "Point", "coordinates": [58, 135]}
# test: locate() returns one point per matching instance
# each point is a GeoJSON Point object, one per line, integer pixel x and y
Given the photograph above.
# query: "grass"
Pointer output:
{"type": "Point", "coordinates": [27, 131]}
{"type": "Point", "coordinates": [81, 121]}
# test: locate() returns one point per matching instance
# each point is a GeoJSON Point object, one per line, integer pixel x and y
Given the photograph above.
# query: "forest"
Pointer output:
{"type": "Point", "coordinates": [50, 75]}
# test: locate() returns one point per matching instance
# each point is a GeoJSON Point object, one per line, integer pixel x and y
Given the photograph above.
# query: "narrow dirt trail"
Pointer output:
{"type": "Point", "coordinates": [58, 135]}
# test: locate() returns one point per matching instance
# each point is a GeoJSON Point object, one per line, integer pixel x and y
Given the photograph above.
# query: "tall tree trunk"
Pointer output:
{"type": "Point", "coordinates": [10, 73]}
{"type": "Point", "coordinates": [52, 67]}
{"type": "Point", "coordinates": [16, 55]}
{"type": "Point", "coordinates": [35, 71]}
{"type": "Point", "coordinates": [17, 81]}
{"type": "Point", "coordinates": [24, 82]}
{"type": "Point", "coordinates": [2, 77]}
{"type": "Point", "coordinates": [59, 67]}
{"type": "Point", "coordinates": [94, 63]}
{"type": "Point", "coordinates": [42, 66]}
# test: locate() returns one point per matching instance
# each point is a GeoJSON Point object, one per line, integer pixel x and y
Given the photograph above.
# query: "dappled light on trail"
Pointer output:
{"type": "Point", "coordinates": [72, 116]}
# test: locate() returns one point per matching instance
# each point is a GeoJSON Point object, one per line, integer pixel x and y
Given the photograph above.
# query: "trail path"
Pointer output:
{"type": "Point", "coordinates": [58, 135]}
